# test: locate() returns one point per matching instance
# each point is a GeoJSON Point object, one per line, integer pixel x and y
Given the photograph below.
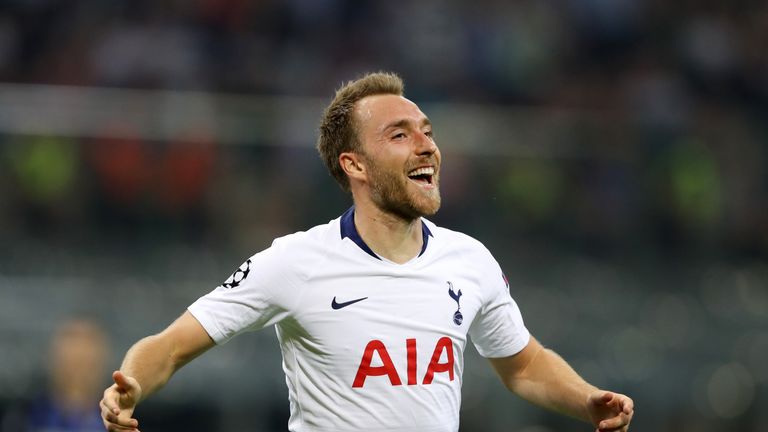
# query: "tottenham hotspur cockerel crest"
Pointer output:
{"type": "Point", "coordinates": [458, 318]}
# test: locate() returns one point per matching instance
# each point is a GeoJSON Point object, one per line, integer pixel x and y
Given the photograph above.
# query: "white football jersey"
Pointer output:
{"type": "Point", "coordinates": [369, 344]}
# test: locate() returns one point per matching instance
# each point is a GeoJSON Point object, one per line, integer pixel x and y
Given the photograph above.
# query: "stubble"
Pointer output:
{"type": "Point", "coordinates": [390, 192]}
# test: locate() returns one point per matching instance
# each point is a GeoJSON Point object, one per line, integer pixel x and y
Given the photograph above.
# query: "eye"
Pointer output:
{"type": "Point", "coordinates": [399, 135]}
{"type": "Point", "coordinates": [429, 133]}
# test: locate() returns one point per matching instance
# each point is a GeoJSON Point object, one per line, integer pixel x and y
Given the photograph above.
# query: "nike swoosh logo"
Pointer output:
{"type": "Point", "coordinates": [336, 305]}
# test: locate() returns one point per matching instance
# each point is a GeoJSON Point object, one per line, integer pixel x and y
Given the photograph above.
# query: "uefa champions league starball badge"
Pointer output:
{"type": "Point", "coordinates": [458, 318]}
{"type": "Point", "coordinates": [238, 276]}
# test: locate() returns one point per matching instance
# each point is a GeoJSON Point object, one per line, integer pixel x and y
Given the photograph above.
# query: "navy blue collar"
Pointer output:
{"type": "Point", "coordinates": [348, 229]}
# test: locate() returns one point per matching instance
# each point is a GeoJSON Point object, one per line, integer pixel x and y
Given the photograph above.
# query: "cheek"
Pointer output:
{"type": "Point", "coordinates": [391, 164]}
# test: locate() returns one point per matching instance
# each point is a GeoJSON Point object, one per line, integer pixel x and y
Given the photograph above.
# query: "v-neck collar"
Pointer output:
{"type": "Point", "coordinates": [349, 230]}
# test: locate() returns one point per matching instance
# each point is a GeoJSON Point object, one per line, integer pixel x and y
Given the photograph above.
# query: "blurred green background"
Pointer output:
{"type": "Point", "coordinates": [610, 153]}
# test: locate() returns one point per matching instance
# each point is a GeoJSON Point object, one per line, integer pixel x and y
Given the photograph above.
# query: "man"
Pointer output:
{"type": "Point", "coordinates": [77, 356]}
{"type": "Point", "coordinates": [373, 309]}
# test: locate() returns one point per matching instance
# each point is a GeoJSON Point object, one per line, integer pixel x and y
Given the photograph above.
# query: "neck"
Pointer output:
{"type": "Point", "coordinates": [389, 236]}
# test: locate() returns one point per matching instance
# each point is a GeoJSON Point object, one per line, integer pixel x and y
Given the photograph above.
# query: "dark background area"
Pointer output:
{"type": "Point", "coordinates": [611, 154]}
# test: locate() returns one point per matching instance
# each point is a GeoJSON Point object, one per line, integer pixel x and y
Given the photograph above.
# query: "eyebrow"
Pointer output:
{"type": "Point", "coordinates": [405, 122]}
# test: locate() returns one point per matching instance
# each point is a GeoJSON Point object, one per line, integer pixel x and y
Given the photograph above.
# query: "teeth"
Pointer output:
{"type": "Point", "coordinates": [422, 171]}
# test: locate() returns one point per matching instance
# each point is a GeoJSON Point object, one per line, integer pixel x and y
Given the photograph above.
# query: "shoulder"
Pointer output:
{"type": "Point", "coordinates": [457, 242]}
{"type": "Point", "coordinates": [470, 256]}
{"type": "Point", "coordinates": [464, 250]}
{"type": "Point", "coordinates": [299, 252]}
{"type": "Point", "coordinates": [318, 236]}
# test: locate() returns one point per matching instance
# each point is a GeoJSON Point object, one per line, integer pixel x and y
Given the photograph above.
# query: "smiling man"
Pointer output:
{"type": "Point", "coordinates": [374, 309]}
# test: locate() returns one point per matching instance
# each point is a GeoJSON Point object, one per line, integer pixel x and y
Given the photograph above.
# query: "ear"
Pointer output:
{"type": "Point", "coordinates": [353, 165]}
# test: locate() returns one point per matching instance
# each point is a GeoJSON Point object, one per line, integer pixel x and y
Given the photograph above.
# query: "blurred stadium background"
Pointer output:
{"type": "Point", "coordinates": [611, 153]}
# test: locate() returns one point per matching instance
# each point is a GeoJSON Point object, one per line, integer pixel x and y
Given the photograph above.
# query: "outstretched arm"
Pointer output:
{"type": "Point", "coordinates": [147, 366]}
{"type": "Point", "coordinates": [542, 377]}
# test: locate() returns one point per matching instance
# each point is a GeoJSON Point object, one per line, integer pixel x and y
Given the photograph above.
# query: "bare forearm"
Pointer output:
{"type": "Point", "coordinates": [549, 381]}
{"type": "Point", "coordinates": [151, 362]}
{"type": "Point", "coordinates": [542, 377]}
{"type": "Point", "coordinates": [148, 365]}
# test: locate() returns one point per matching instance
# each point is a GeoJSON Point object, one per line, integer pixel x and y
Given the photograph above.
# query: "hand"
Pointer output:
{"type": "Point", "coordinates": [119, 402]}
{"type": "Point", "coordinates": [610, 411]}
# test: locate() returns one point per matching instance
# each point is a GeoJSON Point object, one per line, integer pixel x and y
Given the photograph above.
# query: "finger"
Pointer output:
{"type": "Point", "coordinates": [627, 405]}
{"type": "Point", "coordinates": [614, 423]}
{"type": "Point", "coordinates": [118, 424]}
{"type": "Point", "coordinates": [603, 398]}
{"type": "Point", "coordinates": [114, 428]}
{"type": "Point", "coordinates": [127, 385]}
{"type": "Point", "coordinates": [108, 416]}
{"type": "Point", "coordinates": [110, 399]}
{"type": "Point", "coordinates": [111, 427]}
{"type": "Point", "coordinates": [129, 423]}
{"type": "Point", "coordinates": [106, 412]}
{"type": "Point", "coordinates": [111, 417]}
{"type": "Point", "coordinates": [121, 380]}
{"type": "Point", "coordinates": [613, 400]}
{"type": "Point", "coordinates": [623, 429]}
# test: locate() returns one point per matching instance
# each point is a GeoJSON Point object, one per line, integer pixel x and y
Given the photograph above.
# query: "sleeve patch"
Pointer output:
{"type": "Point", "coordinates": [238, 276]}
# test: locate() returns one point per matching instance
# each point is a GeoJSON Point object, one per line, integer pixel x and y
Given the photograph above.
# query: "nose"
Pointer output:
{"type": "Point", "coordinates": [425, 144]}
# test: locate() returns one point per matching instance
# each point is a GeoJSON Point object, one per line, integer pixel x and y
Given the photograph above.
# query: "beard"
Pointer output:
{"type": "Point", "coordinates": [391, 193]}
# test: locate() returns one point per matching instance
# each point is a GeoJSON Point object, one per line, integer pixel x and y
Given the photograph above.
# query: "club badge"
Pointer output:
{"type": "Point", "coordinates": [458, 318]}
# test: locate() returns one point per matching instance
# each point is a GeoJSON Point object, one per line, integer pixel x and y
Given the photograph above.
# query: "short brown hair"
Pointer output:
{"type": "Point", "coordinates": [338, 131]}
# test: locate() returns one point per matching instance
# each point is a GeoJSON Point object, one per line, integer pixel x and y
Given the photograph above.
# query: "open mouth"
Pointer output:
{"type": "Point", "coordinates": [423, 176]}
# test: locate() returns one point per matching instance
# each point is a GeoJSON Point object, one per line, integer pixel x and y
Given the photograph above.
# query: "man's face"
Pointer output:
{"type": "Point", "coordinates": [400, 155]}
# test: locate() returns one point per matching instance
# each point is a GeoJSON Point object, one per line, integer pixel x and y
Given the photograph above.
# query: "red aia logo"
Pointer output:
{"type": "Point", "coordinates": [365, 369]}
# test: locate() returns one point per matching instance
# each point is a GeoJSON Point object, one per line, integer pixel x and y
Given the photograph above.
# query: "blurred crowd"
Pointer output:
{"type": "Point", "coordinates": [643, 155]}
{"type": "Point", "coordinates": [668, 142]}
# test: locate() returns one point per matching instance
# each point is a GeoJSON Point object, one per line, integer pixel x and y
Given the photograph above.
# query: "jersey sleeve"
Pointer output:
{"type": "Point", "coordinates": [248, 299]}
{"type": "Point", "coordinates": [498, 330]}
